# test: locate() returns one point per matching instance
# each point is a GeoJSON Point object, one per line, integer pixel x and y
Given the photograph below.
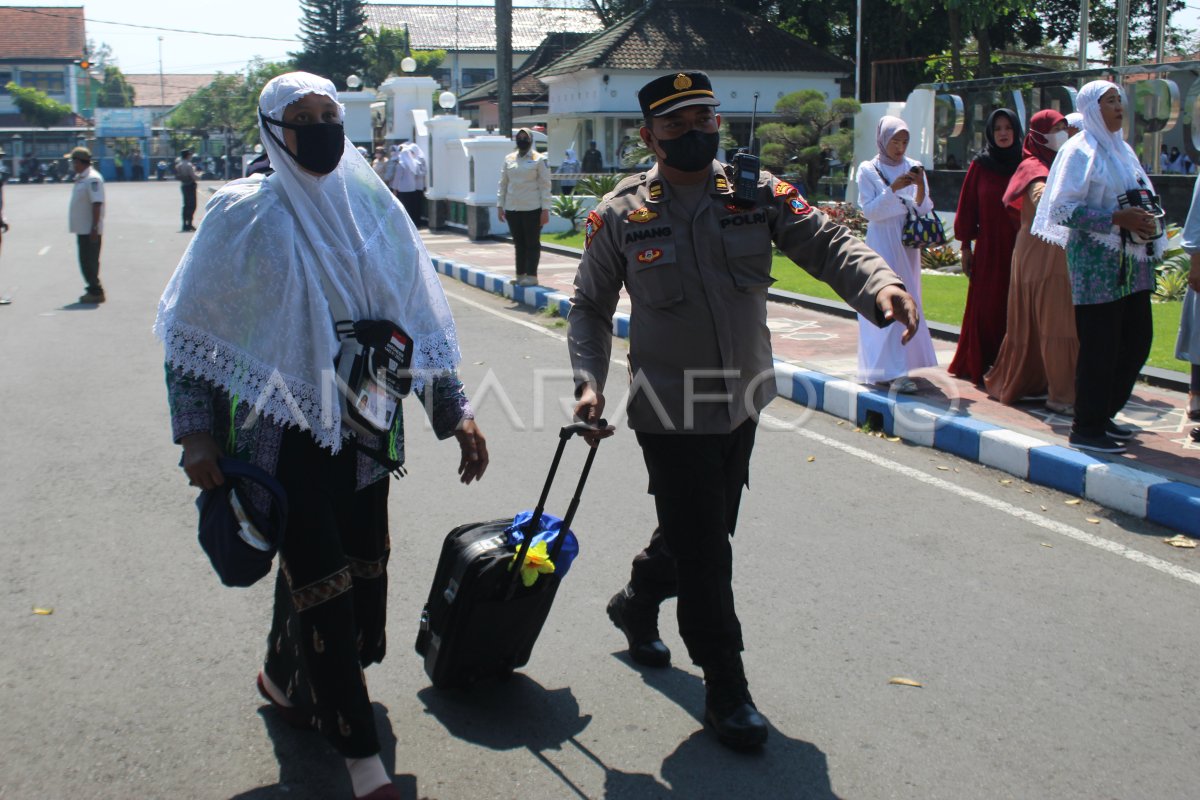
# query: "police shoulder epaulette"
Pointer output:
{"type": "Point", "coordinates": [628, 184]}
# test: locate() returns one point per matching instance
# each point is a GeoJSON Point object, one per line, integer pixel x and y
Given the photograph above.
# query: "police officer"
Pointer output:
{"type": "Point", "coordinates": [696, 261]}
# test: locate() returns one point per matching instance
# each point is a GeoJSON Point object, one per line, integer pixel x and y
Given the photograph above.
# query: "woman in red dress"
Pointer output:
{"type": "Point", "coordinates": [987, 231]}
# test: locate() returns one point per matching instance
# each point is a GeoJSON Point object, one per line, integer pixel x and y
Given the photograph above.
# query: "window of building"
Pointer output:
{"type": "Point", "coordinates": [5, 77]}
{"type": "Point", "coordinates": [43, 80]}
{"type": "Point", "coordinates": [473, 76]}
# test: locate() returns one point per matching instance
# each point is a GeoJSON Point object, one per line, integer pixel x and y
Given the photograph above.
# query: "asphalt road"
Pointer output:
{"type": "Point", "coordinates": [1056, 655]}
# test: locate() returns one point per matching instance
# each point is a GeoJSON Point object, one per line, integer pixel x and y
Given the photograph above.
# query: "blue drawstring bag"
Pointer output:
{"type": "Point", "coordinates": [549, 529]}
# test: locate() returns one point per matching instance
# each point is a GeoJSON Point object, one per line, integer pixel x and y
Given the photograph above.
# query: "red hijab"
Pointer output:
{"type": "Point", "coordinates": [1036, 164]}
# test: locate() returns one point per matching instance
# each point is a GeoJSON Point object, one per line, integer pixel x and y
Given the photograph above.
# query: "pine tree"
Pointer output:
{"type": "Point", "coordinates": [332, 33]}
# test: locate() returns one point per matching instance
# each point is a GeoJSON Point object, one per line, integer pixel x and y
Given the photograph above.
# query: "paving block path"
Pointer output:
{"type": "Point", "coordinates": [1158, 478]}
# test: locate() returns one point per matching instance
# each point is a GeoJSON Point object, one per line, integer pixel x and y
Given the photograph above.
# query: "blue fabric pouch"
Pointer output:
{"type": "Point", "coordinates": [549, 529]}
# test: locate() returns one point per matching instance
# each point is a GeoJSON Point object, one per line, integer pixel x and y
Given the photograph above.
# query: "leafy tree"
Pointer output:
{"type": "Point", "coordinates": [809, 129]}
{"type": "Point", "coordinates": [115, 91]}
{"type": "Point", "coordinates": [230, 102]}
{"type": "Point", "coordinates": [386, 49]}
{"type": "Point", "coordinates": [36, 107]}
{"type": "Point", "coordinates": [98, 55]}
{"type": "Point", "coordinates": [332, 33]}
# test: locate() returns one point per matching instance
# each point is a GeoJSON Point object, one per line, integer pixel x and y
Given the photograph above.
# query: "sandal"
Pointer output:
{"type": "Point", "coordinates": [904, 385]}
{"type": "Point", "coordinates": [289, 714]}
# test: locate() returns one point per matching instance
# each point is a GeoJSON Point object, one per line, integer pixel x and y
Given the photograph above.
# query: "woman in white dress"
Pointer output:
{"type": "Point", "coordinates": [888, 186]}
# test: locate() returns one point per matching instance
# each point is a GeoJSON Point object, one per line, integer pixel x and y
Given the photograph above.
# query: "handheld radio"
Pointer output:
{"type": "Point", "coordinates": [746, 168]}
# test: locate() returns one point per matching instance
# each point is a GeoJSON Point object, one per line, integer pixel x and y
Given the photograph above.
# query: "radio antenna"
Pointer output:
{"type": "Point", "coordinates": [753, 118]}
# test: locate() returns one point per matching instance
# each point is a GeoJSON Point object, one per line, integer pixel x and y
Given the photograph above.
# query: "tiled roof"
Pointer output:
{"type": "Point", "coordinates": [526, 86]}
{"type": "Point", "coordinates": [28, 32]}
{"type": "Point", "coordinates": [173, 90]}
{"type": "Point", "coordinates": [696, 34]}
{"type": "Point", "coordinates": [465, 28]}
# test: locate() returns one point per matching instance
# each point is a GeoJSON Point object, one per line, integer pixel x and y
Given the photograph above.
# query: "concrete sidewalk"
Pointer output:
{"type": "Point", "coordinates": [1157, 479]}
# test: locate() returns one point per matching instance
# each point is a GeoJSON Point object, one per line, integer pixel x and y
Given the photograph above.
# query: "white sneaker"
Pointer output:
{"type": "Point", "coordinates": [527, 280]}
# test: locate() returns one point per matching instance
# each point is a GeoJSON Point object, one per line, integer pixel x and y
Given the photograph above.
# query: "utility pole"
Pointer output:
{"type": "Point", "coordinates": [858, 52]}
{"type": "Point", "coordinates": [504, 65]}
{"type": "Point", "coordinates": [1122, 33]}
{"type": "Point", "coordinates": [1083, 33]}
{"type": "Point", "coordinates": [162, 85]}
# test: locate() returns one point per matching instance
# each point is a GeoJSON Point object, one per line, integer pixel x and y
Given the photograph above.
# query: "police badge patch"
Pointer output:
{"type": "Point", "coordinates": [642, 215]}
{"type": "Point", "coordinates": [799, 207]}
{"type": "Point", "coordinates": [649, 255]}
{"type": "Point", "coordinates": [783, 189]}
{"type": "Point", "coordinates": [591, 228]}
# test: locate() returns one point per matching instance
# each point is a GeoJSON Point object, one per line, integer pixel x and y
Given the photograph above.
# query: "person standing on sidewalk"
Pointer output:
{"type": "Point", "coordinates": [1112, 250]}
{"type": "Point", "coordinates": [890, 187]}
{"type": "Point", "coordinates": [987, 231]}
{"type": "Point", "coordinates": [1187, 345]}
{"type": "Point", "coordinates": [86, 219]}
{"type": "Point", "coordinates": [696, 261]}
{"type": "Point", "coordinates": [524, 203]}
{"type": "Point", "coordinates": [185, 171]}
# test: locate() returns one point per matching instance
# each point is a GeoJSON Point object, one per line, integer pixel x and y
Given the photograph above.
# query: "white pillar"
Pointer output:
{"type": "Point", "coordinates": [486, 154]}
{"type": "Point", "coordinates": [358, 116]}
{"type": "Point", "coordinates": [447, 158]}
{"type": "Point", "coordinates": [404, 96]}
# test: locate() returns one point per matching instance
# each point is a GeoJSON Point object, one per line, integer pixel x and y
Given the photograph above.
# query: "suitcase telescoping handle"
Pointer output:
{"type": "Point", "coordinates": [531, 527]}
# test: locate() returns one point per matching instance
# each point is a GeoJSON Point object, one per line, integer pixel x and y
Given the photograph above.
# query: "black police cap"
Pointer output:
{"type": "Point", "coordinates": [663, 95]}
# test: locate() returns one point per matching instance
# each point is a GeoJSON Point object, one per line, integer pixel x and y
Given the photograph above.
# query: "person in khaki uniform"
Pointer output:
{"type": "Point", "coordinates": [697, 264]}
{"type": "Point", "coordinates": [523, 202]}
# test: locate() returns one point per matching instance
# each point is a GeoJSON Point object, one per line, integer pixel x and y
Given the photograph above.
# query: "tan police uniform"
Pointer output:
{"type": "Point", "coordinates": [699, 347]}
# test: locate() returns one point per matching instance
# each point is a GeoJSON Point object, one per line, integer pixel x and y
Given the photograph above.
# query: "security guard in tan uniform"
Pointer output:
{"type": "Point", "coordinates": [696, 260]}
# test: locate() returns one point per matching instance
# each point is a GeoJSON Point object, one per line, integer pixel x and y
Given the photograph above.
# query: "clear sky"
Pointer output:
{"type": "Point", "coordinates": [137, 50]}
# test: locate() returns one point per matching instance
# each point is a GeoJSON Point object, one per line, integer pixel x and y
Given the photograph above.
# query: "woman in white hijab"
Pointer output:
{"type": "Point", "coordinates": [889, 186]}
{"type": "Point", "coordinates": [1112, 249]}
{"type": "Point", "coordinates": [247, 322]}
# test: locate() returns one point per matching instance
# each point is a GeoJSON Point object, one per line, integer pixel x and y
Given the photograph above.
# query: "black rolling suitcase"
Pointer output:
{"type": "Point", "coordinates": [480, 621]}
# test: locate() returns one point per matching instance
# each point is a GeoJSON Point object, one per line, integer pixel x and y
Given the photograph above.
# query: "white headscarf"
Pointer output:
{"type": "Point", "coordinates": [246, 308]}
{"type": "Point", "coordinates": [1091, 170]}
{"type": "Point", "coordinates": [412, 157]}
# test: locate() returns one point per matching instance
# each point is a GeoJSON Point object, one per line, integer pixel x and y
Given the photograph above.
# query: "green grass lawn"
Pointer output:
{"type": "Point", "coordinates": [564, 239]}
{"type": "Point", "coordinates": [944, 297]}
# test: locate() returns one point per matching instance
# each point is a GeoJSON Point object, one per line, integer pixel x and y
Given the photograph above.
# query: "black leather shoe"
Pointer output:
{"type": "Point", "coordinates": [738, 726]}
{"type": "Point", "coordinates": [638, 620]}
{"type": "Point", "coordinates": [728, 706]}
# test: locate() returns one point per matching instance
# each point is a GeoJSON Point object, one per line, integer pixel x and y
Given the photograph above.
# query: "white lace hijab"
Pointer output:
{"type": "Point", "coordinates": [1091, 170]}
{"type": "Point", "coordinates": [246, 308]}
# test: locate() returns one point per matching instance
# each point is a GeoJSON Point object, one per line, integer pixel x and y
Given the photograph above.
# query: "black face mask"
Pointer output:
{"type": "Point", "coordinates": [523, 145]}
{"type": "Point", "coordinates": [319, 147]}
{"type": "Point", "coordinates": [691, 152]}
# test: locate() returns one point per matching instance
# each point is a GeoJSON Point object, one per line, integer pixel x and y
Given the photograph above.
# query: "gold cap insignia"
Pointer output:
{"type": "Point", "coordinates": [682, 82]}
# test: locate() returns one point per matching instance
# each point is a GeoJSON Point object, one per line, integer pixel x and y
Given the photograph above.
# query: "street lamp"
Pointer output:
{"type": "Point", "coordinates": [353, 82]}
{"type": "Point", "coordinates": [447, 100]}
{"type": "Point", "coordinates": [408, 64]}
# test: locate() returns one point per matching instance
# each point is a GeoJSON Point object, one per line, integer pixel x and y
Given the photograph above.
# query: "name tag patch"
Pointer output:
{"type": "Point", "coordinates": [756, 218]}
{"type": "Point", "coordinates": [649, 255]}
{"type": "Point", "coordinates": [641, 234]}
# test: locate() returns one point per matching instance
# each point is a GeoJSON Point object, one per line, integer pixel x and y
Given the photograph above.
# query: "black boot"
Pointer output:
{"type": "Point", "coordinates": [728, 706]}
{"type": "Point", "coordinates": [638, 620]}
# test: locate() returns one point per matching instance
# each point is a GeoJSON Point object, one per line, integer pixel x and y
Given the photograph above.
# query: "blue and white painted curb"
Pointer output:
{"type": "Point", "coordinates": [1124, 488]}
